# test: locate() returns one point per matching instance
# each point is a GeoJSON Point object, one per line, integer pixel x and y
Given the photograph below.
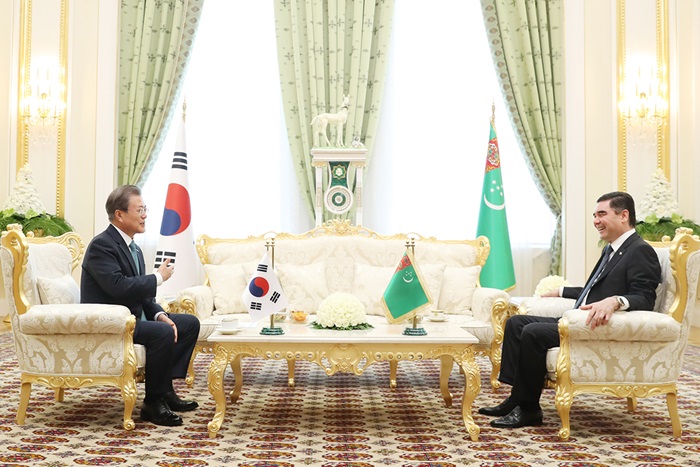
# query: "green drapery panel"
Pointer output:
{"type": "Point", "coordinates": [328, 49]}
{"type": "Point", "coordinates": [155, 41]}
{"type": "Point", "coordinates": [525, 38]}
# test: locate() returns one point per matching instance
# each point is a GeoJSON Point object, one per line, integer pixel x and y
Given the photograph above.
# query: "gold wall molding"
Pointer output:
{"type": "Point", "coordinates": [663, 130]}
{"type": "Point", "coordinates": [27, 19]}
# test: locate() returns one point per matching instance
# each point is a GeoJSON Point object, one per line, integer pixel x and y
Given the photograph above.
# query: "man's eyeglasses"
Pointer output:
{"type": "Point", "coordinates": [142, 210]}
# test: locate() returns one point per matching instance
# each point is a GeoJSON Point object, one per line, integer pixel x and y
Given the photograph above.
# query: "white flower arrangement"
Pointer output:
{"type": "Point", "coordinates": [24, 198]}
{"type": "Point", "coordinates": [550, 283]}
{"type": "Point", "coordinates": [658, 201]}
{"type": "Point", "coordinates": [341, 311]}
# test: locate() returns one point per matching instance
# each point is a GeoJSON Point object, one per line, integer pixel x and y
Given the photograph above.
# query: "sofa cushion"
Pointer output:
{"type": "Point", "coordinates": [371, 282]}
{"type": "Point", "coordinates": [58, 290]}
{"type": "Point", "coordinates": [304, 285]}
{"type": "Point", "coordinates": [227, 283]}
{"type": "Point", "coordinates": [458, 286]}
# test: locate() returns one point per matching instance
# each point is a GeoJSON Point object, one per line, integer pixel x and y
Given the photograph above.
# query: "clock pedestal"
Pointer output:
{"type": "Point", "coordinates": [339, 198]}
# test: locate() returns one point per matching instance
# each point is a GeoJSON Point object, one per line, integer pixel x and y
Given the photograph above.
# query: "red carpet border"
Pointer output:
{"type": "Point", "coordinates": [341, 421]}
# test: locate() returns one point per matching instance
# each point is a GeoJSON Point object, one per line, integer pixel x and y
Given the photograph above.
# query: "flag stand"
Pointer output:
{"type": "Point", "coordinates": [414, 330]}
{"type": "Point", "coordinates": [272, 330]}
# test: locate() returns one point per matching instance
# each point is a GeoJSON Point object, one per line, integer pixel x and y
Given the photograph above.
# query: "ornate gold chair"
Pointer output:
{"type": "Point", "coordinates": [639, 353]}
{"type": "Point", "coordinates": [61, 343]}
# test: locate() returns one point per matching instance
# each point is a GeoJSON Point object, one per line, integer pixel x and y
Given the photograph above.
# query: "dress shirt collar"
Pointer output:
{"type": "Point", "coordinates": [617, 243]}
{"type": "Point", "coordinates": [126, 238]}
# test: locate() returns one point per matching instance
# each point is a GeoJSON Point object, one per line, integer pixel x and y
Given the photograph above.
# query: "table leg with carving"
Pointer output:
{"type": "Point", "coordinates": [472, 386]}
{"type": "Point", "coordinates": [215, 380]}
{"type": "Point", "coordinates": [393, 371]}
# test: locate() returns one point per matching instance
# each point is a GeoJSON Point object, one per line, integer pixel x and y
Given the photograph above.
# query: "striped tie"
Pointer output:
{"type": "Point", "coordinates": [594, 278]}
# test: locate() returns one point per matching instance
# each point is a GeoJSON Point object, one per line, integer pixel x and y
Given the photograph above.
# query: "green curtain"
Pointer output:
{"type": "Point", "coordinates": [526, 44]}
{"type": "Point", "coordinates": [155, 41]}
{"type": "Point", "coordinates": [328, 49]}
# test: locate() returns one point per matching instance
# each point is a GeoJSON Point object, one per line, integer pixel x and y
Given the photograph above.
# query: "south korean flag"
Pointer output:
{"type": "Point", "coordinates": [264, 295]}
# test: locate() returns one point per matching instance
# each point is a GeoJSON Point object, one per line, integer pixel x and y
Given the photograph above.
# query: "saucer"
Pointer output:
{"type": "Point", "coordinates": [229, 331]}
{"type": "Point", "coordinates": [437, 319]}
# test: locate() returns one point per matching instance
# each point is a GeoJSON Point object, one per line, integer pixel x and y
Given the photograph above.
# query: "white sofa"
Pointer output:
{"type": "Point", "coordinates": [339, 257]}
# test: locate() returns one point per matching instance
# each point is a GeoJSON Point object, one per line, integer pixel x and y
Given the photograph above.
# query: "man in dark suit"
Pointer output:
{"type": "Point", "coordinates": [114, 273]}
{"type": "Point", "coordinates": [625, 278]}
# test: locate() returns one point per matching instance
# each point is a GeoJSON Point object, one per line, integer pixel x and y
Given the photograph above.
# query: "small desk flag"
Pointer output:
{"type": "Point", "coordinates": [176, 240]}
{"type": "Point", "coordinates": [498, 272]}
{"type": "Point", "coordinates": [264, 295]}
{"type": "Point", "coordinates": [405, 295]}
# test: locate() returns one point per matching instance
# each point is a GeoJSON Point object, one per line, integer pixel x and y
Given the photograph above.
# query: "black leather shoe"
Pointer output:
{"type": "Point", "coordinates": [158, 412]}
{"type": "Point", "coordinates": [517, 418]}
{"type": "Point", "coordinates": [504, 408]}
{"type": "Point", "coordinates": [178, 405]}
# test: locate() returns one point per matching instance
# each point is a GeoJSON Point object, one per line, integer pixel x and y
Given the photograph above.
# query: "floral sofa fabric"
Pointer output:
{"type": "Point", "coordinates": [338, 257]}
{"type": "Point", "coordinates": [639, 353]}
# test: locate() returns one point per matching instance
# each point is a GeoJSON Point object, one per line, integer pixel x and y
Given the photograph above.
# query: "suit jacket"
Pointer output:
{"type": "Point", "coordinates": [109, 276]}
{"type": "Point", "coordinates": [633, 272]}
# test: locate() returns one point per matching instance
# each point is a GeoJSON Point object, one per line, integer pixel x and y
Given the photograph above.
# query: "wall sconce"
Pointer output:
{"type": "Point", "coordinates": [642, 102]}
{"type": "Point", "coordinates": [43, 105]}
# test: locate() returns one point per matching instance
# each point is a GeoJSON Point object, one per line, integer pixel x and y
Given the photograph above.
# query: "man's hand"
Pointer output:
{"type": "Point", "coordinates": [165, 270]}
{"type": "Point", "coordinates": [551, 293]}
{"type": "Point", "coordinates": [600, 312]}
{"type": "Point", "coordinates": [164, 318]}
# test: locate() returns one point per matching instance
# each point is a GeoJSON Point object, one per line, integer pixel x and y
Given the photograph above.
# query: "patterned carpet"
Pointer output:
{"type": "Point", "coordinates": [340, 421]}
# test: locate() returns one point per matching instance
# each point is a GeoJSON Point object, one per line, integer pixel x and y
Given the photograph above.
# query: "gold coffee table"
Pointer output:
{"type": "Point", "coordinates": [347, 352]}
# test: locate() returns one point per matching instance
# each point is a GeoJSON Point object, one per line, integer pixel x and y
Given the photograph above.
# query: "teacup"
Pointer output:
{"type": "Point", "coordinates": [229, 323]}
{"type": "Point", "coordinates": [438, 315]}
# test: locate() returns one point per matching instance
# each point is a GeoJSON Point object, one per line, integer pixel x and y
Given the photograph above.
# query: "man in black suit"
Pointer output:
{"type": "Point", "coordinates": [114, 273]}
{"type": "Point", "coordinates": [625, 278]}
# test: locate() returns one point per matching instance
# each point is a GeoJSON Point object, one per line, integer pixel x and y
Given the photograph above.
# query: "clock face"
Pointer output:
{"type": "Point", "coordinates": [339, 172]}
{"type": "Point", "coordinates": [338, 200]}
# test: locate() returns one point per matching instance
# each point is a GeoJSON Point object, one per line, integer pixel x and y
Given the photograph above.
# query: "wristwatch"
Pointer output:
{"type": "Point", "coordinates": [620, 302]}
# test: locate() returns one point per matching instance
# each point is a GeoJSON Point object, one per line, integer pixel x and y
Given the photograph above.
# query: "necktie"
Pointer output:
{"type": "Point", "coordinates": [135, 255]}
{"type": "Point", "coordinates": [594, 278]}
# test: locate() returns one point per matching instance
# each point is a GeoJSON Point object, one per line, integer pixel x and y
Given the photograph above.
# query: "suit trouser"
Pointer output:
{"type": "Point", "coordinates": [165, 358]}
{"type": "Point", "coordinates": [523, 366]}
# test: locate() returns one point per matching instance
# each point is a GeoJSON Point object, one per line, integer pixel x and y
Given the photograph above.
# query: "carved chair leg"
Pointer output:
{"type": "Point", "coordinates": [25, 391]}
{"type": "Point", "coordinates": [290, 372]}
{"type": "Point", "coordinates": [446, 364]}
{"type": "Point", "coordinates": [563, 404]}
{"type": "Point", "coordinates": [189, 378]}
{"type": "Point", "coordinates": [672, 404]}
{"type": "Point", "coordinates": [129, 395]}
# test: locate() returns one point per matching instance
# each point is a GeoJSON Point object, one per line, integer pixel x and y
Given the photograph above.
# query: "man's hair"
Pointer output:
{"type": "Point", "coordinates": [619, 201]}
{"type": "Point", "coordinates": [119, 199]}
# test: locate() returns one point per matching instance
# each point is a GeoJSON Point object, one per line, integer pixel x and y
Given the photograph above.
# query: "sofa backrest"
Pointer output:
{"type": "Point", "coordinates": [339, 257]}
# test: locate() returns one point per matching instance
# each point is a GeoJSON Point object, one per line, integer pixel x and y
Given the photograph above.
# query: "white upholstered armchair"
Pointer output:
{"type": "Point", "coordinates": [639, 353]}
{"type": "Point", "coordinates": [61, 343]}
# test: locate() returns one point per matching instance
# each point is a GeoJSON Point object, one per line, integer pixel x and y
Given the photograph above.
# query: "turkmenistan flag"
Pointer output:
{"type": "Point", "coordinates": [406, 293]}
{"type": "Point", "coordinates": [498, 271]}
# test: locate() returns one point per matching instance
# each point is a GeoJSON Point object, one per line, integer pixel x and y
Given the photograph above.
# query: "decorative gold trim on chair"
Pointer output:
{"type": "Point", "coordinates": [683, 245]}
{"type": "Point", "coordinates": [18, 246]}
